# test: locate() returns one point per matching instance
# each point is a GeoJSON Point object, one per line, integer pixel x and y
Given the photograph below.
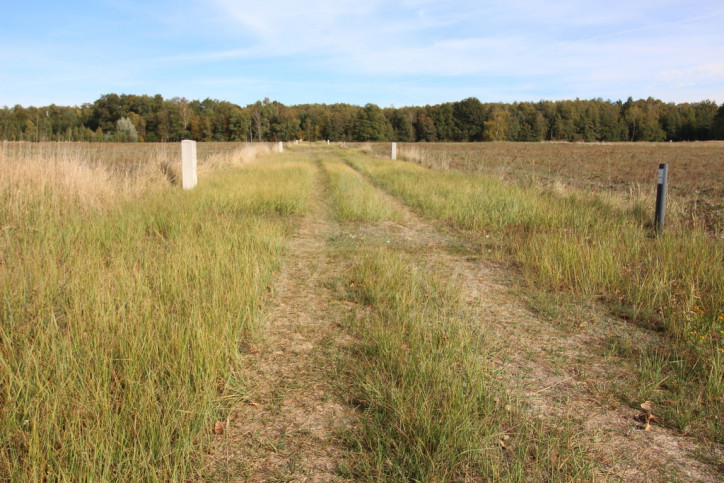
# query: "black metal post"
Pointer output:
{"type": "Point", "coordinates": [661, 197]}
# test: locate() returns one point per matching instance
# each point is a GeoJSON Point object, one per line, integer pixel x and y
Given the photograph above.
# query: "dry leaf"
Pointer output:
{"type": "Point", "coordinates": [649, 419]}
{"type": "Point", "coordinates": [253, 404]}
{"type": "Point", "coordinates": [219, 427]}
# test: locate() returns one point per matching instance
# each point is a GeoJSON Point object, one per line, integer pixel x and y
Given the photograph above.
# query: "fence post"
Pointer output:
{"type": "Point", "coordinates": [188, 164]}
{"type": "Point", "coordinates": [394, 151]}
{"type": "Point", "coordinates": [281, 147]}
{"type": "Point", "coordinates": [661, 188]}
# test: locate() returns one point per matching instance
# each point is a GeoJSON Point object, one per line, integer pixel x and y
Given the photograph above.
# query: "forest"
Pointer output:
{"type": "Point", "coordinates": [144, 118]}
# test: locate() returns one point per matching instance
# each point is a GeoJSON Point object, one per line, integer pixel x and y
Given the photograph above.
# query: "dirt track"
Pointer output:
{"type": "Point", "coordinates": [288, 428]}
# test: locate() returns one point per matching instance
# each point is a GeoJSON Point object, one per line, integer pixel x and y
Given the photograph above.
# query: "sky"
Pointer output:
{"type": "Point", "coordinates": [390, 53]}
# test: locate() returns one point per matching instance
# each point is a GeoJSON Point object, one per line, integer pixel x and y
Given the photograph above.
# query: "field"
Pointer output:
{"type": "Point", "coordinates": [695, 185]}
{"type": "Point", "coordinates": [472, 312]}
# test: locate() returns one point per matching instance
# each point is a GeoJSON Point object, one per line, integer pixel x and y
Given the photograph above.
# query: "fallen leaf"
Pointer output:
{"type": "Point", "coordinates": [219, 427]}
{"type": "Point", "coordinates": [647, 418]}
{"type": "Point", "coordinates": [647, 406]}
{"type": "Point", "coordinates": [253, 404]}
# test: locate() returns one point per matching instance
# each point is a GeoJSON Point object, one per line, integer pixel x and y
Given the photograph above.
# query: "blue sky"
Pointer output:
{"type": "Point", "coordinates": [391, 53]}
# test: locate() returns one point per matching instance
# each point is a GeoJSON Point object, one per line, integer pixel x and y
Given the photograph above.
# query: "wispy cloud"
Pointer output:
{"type": "Point", "coordinates": [373, 51]}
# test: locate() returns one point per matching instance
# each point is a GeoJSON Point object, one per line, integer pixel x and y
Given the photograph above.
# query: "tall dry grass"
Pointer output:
{"type": "Point", "coordinates": [419, 155]}
{"type": "Point", "coordinates": [600, 247]}
{"type": "Point", "coordinates": [124, 299]}
{"type": "Point", "coordinates": [96, 174]}
{"type": "Point", "coordinates": [695, 186]}
{"type": "Point", "coordinates": [241, 156]}
{"type": "Point", "coordinates": [60, 177]}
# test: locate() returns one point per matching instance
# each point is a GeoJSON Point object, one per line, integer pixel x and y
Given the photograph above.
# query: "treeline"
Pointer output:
{"type": "Point", "coordinates": [155, 119]}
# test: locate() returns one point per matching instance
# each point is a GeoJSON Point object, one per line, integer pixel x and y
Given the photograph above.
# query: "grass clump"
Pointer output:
{"type": "Point", "coordinates": [422, 374]}
{"type": "Point", "coordinates": [120, 319]}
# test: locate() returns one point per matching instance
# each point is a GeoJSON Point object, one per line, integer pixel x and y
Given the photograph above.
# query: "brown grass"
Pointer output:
{"type": "Point", "coordinates": [95, 175]}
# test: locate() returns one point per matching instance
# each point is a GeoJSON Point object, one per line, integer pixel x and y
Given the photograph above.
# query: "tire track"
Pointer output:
{"type": "Point", "coordinates": [288, 428]}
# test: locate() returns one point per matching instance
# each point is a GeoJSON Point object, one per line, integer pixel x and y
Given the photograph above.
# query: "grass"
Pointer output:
{"type": "Point", "coordinates": [696, 195]}
{"type": "Point", "coordinates": [123, 303]}
{"type": "Point", "coordinates": [422, 371]}
{"type": "Point", "coordinates": [353, 198]}
{"type": "Point", "coordinates": [125, 154]}
{"type": "Point", "coordinates": [422, 374]}
{"type": "Point", "coordinates": [599, 247]}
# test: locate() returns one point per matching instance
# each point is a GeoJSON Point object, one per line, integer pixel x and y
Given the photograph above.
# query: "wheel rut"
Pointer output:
{"type": "Point", "coordinates": [288, 428]}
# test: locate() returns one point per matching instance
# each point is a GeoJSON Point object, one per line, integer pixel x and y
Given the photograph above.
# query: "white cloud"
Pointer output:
{"type": "Point", "coordinates": [413, 49]}
{"type": "Point", "coordinates": [534, 38]}
{"type": "Point", "coordinates": [698, 74]}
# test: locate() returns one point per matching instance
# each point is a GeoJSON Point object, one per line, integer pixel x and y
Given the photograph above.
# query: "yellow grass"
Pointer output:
{"type": "Point", "coordinates": [601, 247]}
{"type": "Point", "coordinates": [124, 299]}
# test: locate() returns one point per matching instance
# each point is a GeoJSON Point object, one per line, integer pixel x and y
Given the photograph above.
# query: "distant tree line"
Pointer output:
{"type": "Point", "coordinates": [154, 119]}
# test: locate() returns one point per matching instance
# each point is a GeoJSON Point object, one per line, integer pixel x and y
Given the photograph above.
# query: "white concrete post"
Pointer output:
{"type": "Point", "coordinates": [394, 151]}
{"type": "Point", "coordinates": [281, 147]}
{"type": "Point", "coordinates": [188, 164]}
